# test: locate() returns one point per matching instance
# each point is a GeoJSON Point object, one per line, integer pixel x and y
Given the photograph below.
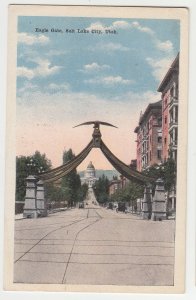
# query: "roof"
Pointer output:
{"type": "Point", "coordinates": [173, 68]}
{"type": "Point", "coordinates": [114, 181]}
{"type": "Point", "coordinates": [90, 165]}
{"type": "Point", "coordinates": [149, 108]}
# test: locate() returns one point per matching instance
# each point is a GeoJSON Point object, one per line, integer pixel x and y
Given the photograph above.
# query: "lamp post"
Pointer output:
{"type": "Point", "coordinates": [31, 165]}
{"type": "Point", "coordinates": [34, 168]}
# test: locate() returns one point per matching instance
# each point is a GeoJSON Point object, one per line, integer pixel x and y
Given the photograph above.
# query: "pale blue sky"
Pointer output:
{"type": "Point", "coordinates": [68, 78]}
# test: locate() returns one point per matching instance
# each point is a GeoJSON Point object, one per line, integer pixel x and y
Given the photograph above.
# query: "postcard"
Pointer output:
{"type": "Point", "coordinates": [96, 149]}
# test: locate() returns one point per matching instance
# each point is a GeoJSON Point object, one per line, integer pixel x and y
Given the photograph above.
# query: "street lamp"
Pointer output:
{"type": "Point", "coordinates": [33, 167]}
{"type": "Point", "coordinates": [40, 170]}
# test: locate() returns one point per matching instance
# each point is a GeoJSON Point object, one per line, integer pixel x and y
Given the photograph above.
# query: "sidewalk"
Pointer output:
{"type": "Point", "coordinates": [19, 217]}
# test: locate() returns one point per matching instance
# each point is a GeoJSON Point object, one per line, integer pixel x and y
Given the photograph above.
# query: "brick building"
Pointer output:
{"type": "Point", "coordinates": [149, 136]}
{"type": "Point", "coordinates": [117, 184]}
{"type": "Point", "coordinates": [169, 89]}
{"type": "Point", "coordinates": [114, 186]}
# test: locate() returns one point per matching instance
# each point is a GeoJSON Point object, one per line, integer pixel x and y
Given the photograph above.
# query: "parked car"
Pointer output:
{"type": "Point", "coordinates": [122, 207]}
{"type": "Point", "coordinates": [110, 205]}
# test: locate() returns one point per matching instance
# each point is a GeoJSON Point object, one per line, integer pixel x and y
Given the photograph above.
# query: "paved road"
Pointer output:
{"type": "Point", "coordinates": [94, 246]}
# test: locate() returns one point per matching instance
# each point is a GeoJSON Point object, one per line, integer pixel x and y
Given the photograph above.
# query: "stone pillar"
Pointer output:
{"type": "Point", "coordinates": [30, 207]}
{"type": "Point", "coordinates": [159, 203]}
{"type": "Point", "coordinates": [146, 203]}
{"type": "Point", "coordinates": [139, 206]}
{"type": "Point", "coordinates": [40, 199]}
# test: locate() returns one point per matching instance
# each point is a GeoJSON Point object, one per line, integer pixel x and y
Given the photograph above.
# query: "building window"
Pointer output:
{"type": "Point", "coordinates": [159, 154]}
{"type": "Point", "coordinates": [159, 140]}
{"type": "Point", "coordinates": [150, 156]}
{"type": "Point", "coordinates": [165, 119]}
{"type": "Point", "coordinates": [165, 141]}
{"type": "Point", "coordinates": [159, 121]}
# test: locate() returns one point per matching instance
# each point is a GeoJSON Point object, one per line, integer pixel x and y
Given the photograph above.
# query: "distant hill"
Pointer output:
{"type": "Point", "coordinates": [108, 173]}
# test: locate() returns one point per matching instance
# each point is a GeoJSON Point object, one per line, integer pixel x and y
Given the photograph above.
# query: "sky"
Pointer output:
{"type": "Point", "coordinates": [71, 70]}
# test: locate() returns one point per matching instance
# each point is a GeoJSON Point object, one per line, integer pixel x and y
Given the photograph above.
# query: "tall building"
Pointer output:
{"type": "Point", "coordinates": [149, 136]}
{"type": "Point", "coordinates": [89, 175]}
{"type": "Point", "coordinates": [169, 89]}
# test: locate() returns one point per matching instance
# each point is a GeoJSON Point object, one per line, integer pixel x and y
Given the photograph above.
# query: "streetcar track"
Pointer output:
{"type": "Point", "coordinates": [80, 253]}
{"type": "Point", "coordinates": [100, 263]}
{"type": "Point", "coordinates": [56, 229]}
{"type": "Point", "coordinates": [102, 245]}
{"type": "Point", "coordinates": [98, 214]}
{"type": "Point", "coordinates": [61, 227]}
{"type": "Point", "coordinates": [69, 259]}
{"type": "Point", "coordinates": [71, 252]}
{"type": "Point", "coordinates": [122, 241]}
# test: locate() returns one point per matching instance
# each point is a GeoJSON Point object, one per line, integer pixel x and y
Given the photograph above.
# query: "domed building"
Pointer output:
{"type": "Point", "coordinates": [89, 175]}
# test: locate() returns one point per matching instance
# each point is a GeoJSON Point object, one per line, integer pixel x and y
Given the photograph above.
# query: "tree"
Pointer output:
{"type": "Point", "coordinates": [40, 163]}
{"type": "Point", "coordinates": [101, 189]}
{"type": "Point", "coordinates": [155, 171]}
{"type": "Point", "coordinates": [133, 192]}
{"type": "Point", "coordinates": [53, 193]}
{"type": "Point", "coordinates": [169, 178]}
{"type": "Point", "coordinates": [21, 175]}
{"type": "Point", "coordinates": [29, 165]}
{"type": "Point", "coordinates": [71, 183]}
{"type": "Point", "coordinates": [129, 194]}
{"type": "Point", "coordinates": [167, 172]}
{"type": "Point", "coordinates": [83, 192]}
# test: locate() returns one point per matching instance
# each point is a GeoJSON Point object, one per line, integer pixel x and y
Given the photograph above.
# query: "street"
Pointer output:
{"type": "Point", "coordinates": [94, 246]}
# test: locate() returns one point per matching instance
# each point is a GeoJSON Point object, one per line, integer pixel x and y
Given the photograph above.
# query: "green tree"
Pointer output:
{"type": "Point", "coordinates": [101, 189]}
{"type": "Point", "coordinates": [129, 194]}
{"type": "Point", "coordinates": [29, 165]}
{"type": "Point", "coordinates": [169, 178]}
{"type": "Point", "coordinates": [21, 175]}
{"type": "Point", "coordinates": [53, 193]}
{"type": "Point", "coordinates": [155, 171]}
{"type": "Point", "coordinates": [132, 192]}
{"type": "Point", "coordinates": [71, 183]}
{"type": "Point", "coordinates": [83, 192]}
{"type": "Point", "coordinates": [167, 172]}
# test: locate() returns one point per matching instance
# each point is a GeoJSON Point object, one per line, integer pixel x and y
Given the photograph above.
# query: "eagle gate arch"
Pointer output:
{"type": "Point", "coordinates": [35, 204]}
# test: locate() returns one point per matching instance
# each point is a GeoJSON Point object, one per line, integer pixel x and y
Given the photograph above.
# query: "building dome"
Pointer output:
{"type": "Point", "coordinates": [90, 166]}
{"type": "Point", "coordinates": [89, 175]}
{"type": "Point", "coordinates": [90, 171]}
